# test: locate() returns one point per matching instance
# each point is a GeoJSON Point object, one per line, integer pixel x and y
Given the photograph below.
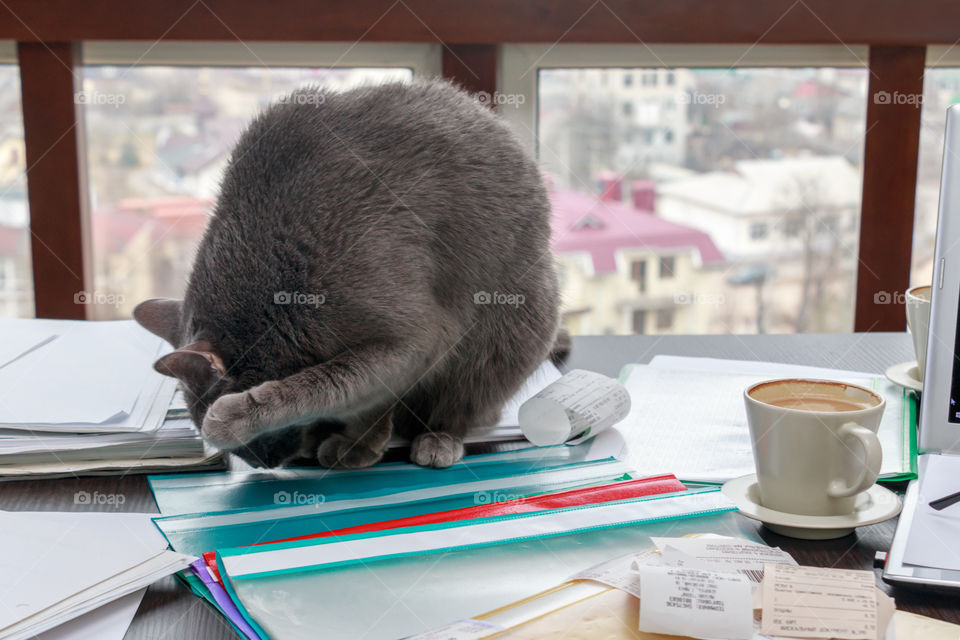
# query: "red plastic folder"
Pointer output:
{"type": "Point", "coordinates": [612, 492]}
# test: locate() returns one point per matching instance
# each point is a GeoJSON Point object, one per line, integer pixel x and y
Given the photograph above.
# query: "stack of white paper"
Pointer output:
{"type": "Point", "coordinates": [58, 566]}
{"type": "Point", "coordinates": [83, 397]}
{"type": "Point", "coordinates": [688, 417]}
{"type": "Point", "coordinates": [82, 377]}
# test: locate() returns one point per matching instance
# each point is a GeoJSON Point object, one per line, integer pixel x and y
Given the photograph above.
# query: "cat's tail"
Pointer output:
{"type": "Point", "coordinates": [561, 347]}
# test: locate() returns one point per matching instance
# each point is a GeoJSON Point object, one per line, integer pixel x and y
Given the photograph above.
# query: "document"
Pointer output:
{"type": "Point", "coordinates": [812, 602]}
{"type": "Point", "coordinates": [687, 416]}
{"type": "Point", "coordinates": [109, 622]}
{"type": "Point", "coordinates": [94, 377]}
{"type": "Point", "coordinates": [20, 337]}
{"type": "Point", "coordinates": [57, 566]}
{"type": "Point", "coordinates": [698, 604]}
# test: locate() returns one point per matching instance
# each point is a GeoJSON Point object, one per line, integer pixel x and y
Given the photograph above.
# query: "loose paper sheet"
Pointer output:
{"type": "Point", "coordinates": [812, 602]}
{"type": "Point", "coordinates": [687, 416]}
{"type": "Point", "coordinates": [109, 622]}
{"type": "Point", "coordinates": [698, 604]}
{"type": "Point", "coordinates": [620, 573]}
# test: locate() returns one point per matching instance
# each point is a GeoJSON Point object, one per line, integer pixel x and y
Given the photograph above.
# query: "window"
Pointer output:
{"type": "Point", "coordinates": [158, 140]}
{"type": "Point", "coordinates": [638, 273]}
{"type": "Point", "coordinates": [765, 134]}
{"type": "Point", "coordinates": [667, 266]}
{"type": "Point", "coordinates": [758, 230]}
{"type": "Point", "coordinates": [941, 88]}
{"type": "Point", "coordinates": [792, 227]}
{"type": "Point", "coordinates": [16, 284]}
{"type": "Point", "coordinates": [627, 109]}
{"type": "Point", "coordinates": [628, 79]}
{"type": "Point", "coordinates": [639, 321]}
{"type": "Point", "coordinates": [664, 319]}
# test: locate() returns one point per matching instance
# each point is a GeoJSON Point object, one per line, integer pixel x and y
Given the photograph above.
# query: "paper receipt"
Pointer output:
{"type": "Point", "coordinates": [698, 604]}
{"type": "Point", "coordinates": [811, 602]}
{"type": "Point", "coordinates": [574, 408]}
{"type": "Point", "coordinates": [721, 554]}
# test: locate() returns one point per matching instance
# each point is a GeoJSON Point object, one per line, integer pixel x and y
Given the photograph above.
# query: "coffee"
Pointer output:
{"type": "Point", "coordinates": [802, 433]}
{"type": "Point", "coordinates": [818, 403]}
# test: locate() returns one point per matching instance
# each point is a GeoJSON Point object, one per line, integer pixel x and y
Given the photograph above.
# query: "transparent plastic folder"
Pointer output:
{"type": "Point", "coordinates": [197, 533]}
{"type": "Point", "coordinates": [416, 579]}
{"type": "Point", "coordinates": [213, 492]}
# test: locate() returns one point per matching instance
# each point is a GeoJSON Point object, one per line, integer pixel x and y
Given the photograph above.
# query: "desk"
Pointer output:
{"type": "Point", "coordinates": [170, 611]}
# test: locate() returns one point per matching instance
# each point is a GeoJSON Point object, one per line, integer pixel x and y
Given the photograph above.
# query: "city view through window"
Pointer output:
{"type": "Point", "coordinates": [719, 201]}
{"type": "Point", "coordinates": [684, 200]}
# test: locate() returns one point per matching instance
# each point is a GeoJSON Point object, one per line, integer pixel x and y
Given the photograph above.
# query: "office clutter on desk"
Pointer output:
{"type": "Point", "coordinates": [82, 398]}
{"type": "Point", "coordinates": [70, 574]}
{"type": "Point", "coordinates": [703, 586]}
{"type": "Point", "coordinates": [381, 547]}
{"type": "Point", "coordinates": [687, 417]}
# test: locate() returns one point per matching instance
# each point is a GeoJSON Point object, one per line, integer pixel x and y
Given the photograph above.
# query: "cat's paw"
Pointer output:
{"type": "Point", "coordinates": [437, 450]}
{"type": "Point", "coordinates": [229, 422]}
{"type": "Point", "coordinates": [340, 452]}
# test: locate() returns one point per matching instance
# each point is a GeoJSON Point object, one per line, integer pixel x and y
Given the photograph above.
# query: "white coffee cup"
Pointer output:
{"type": "Point", "coordinates": [918, 321]}
{"type": "Point", "coordinates": [815, 444]}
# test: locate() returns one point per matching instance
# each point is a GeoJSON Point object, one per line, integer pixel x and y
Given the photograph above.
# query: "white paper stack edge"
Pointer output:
{"type": "Point", "coordinates": [57, 566]}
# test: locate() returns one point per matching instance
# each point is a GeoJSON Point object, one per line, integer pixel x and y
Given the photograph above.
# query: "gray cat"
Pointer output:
{"type": "Point", "coordinates": [378, 259]}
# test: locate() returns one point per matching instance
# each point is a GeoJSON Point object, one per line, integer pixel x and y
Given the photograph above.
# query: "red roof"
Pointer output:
{"type": "Point", "coordinates": [170, 218]}
{"type": "Point", "coordinates": [581, 223]}
{"type": "Point", "coordinates": [585, 223]}
{"type": "Point", "coordinates": [813, 89]}
{"type": "Point", "coordinates": [13, 240]}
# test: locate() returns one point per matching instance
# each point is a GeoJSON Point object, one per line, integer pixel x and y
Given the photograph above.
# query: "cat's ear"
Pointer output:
{"type": "Point", "coordinates": [160, 316]}
{"type": "Point", "coordinates": [196, 365]}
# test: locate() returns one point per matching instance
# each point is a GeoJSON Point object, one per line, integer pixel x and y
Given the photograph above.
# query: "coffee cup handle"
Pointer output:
{"type": "Point", "coordinates": [873, 457]}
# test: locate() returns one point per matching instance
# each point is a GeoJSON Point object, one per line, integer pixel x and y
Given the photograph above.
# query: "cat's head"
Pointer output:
{"type": "Point", "coordinates": [195, 362]}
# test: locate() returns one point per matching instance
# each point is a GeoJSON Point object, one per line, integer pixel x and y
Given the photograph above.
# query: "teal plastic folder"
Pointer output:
{"type": "Point", "coordinates": [197, 533]}
{"type": "Point", "coordinates": [382, 585]}
{"type": "Point", "coordinates": [238, 490]}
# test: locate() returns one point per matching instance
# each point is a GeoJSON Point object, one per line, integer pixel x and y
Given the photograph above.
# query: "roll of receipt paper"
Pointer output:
{"type": "Point", "coordinates": [575, 408]}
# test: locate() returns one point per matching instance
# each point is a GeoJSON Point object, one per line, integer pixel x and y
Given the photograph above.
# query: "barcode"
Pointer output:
{"type": "Point", "coordinates": [754, 575]}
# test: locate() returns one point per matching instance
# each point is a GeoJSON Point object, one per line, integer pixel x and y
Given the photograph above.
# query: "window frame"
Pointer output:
{"type": "Point", "coordinates": [424, 59]}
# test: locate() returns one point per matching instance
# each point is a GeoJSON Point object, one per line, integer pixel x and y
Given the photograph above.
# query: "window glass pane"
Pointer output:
{"type": "Point", "coordinates": [16, 272]}
{"type": "Point", "coordinates": [941, 88]}
{"type": "Point", "coordinates": [748, 178]}
{"type": "Point", "coordinates": [158, 139]}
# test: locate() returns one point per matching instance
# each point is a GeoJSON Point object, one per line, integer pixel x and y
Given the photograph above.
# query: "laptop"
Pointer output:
{"type": "Point", "coordinates": [926, 547]}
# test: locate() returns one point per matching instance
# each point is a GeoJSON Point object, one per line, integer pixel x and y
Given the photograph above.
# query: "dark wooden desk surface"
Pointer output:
{"type": "Point", "coordinates": [171, 611]}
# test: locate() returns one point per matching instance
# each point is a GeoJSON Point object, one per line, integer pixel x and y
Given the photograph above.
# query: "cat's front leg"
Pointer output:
{"type": "Point", "coordinates": [362, 443]}
{"type": "Point", "coordinates": [436, 449]}
{"type": "Point", "coordinates": [353, 383]}
{"type": "Point", "coordinates": [237, 418]}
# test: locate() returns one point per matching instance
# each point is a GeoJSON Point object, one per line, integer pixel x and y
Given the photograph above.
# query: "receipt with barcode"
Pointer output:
{"type": "Point", "coordinates": [721, 554]}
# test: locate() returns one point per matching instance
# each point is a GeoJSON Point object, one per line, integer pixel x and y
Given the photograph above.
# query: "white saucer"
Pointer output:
{"type": "Point", "coordinates": [906, 374]}
{"type": "Point", "coordinates": [873, 505]}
